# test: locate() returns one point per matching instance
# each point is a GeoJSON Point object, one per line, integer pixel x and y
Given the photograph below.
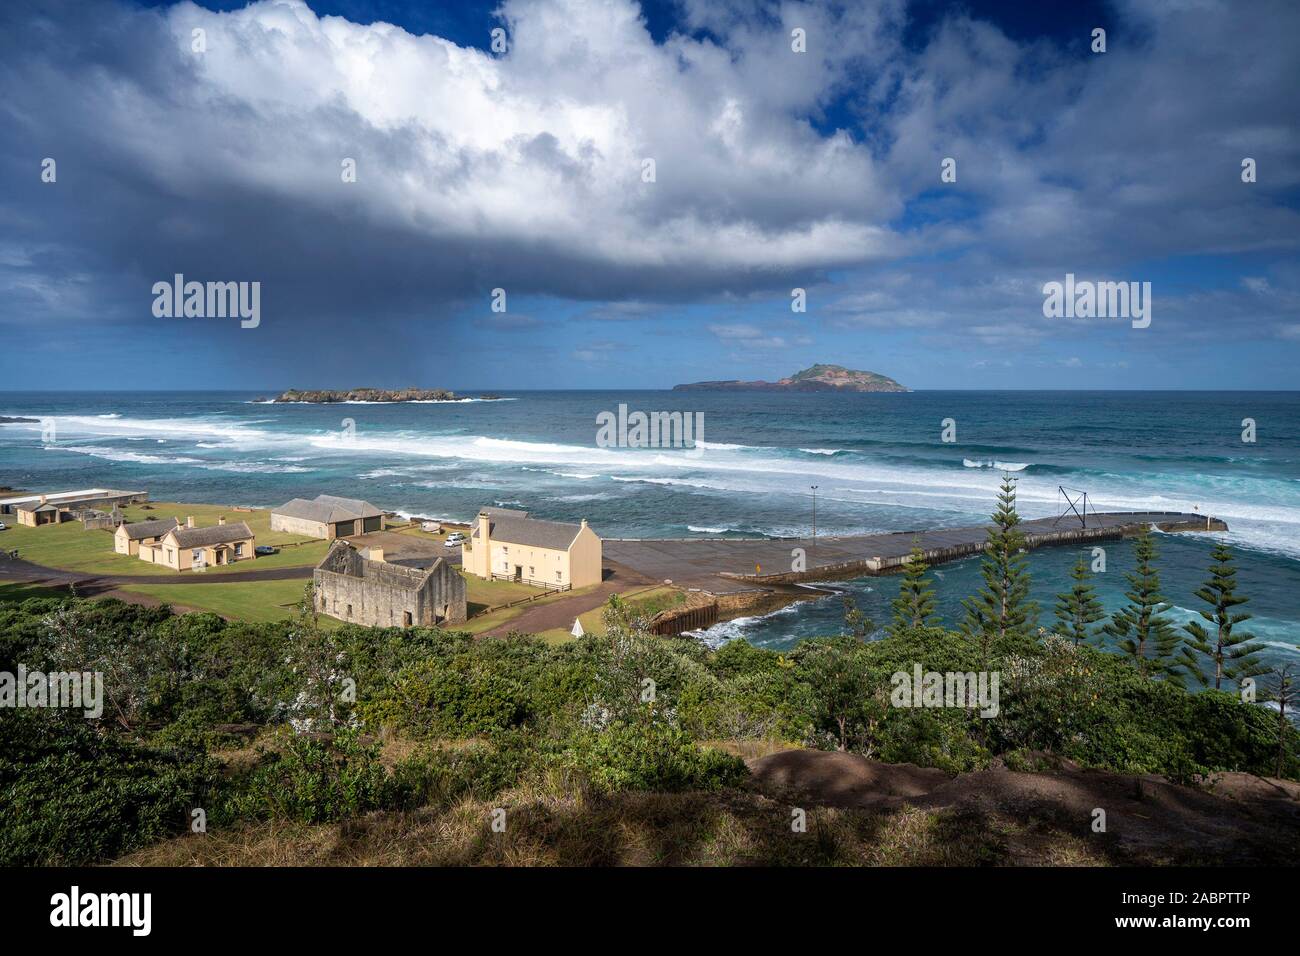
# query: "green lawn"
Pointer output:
{"type": "Point", "coordinates": [485, 622]}
{"type": "Point", "coordinates": [481, 594]}
{"type": "Point", "coordinates": [71, 547]}
{"type": "Point", "coordinates": [246, 601]}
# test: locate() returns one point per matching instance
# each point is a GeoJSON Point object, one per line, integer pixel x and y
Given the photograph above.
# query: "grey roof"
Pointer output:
{"type": "Point", "coordinates": [328, 509]}
{"type": "Point", "coordinates": [34, 506]}
{"type": "Point", "coordinates": [214, 534]}
{"type": "Point", "coordinates": [533, 532]}
{"type": "Point", "coordinates": [503, 513]}
{"type": "Point", "coordinates": [148, 529]}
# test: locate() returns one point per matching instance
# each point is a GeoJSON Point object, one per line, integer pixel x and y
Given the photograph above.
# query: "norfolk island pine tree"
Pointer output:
{"type": "Point", "coordinates": [1078, 607]}
{"type": "Point", "coordinates": [1231, 652]}
{"type": "Point", "coordinates": [1141, 628]}
{"type": "Point", "coordinates": [1001, 614]}
{"type": "Point", "coordinates": [915, 606]}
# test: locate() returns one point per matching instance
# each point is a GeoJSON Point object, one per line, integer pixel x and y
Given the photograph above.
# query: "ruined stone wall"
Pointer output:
{"type": "Point", "coordinates": [377, 594]}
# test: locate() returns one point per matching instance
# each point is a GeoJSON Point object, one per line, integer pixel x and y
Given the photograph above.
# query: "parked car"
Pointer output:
{"type": "Point", "coordinates": [262, 550]}
{"type": "Point", "coordinates": [3, 526]}
{"type": "Point", "coordinates": [455, 539]}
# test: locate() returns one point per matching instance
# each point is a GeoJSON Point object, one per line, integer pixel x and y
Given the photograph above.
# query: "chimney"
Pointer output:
{"type": "Point", "coordinates": [189, 521]}
{"type": "Point", "coordinates": [484, 527]}
{"type": "Point", "coordinates": [584, 522]}
{"type": "Point", "coordinates": [43, 499]}
{"type": "Point", "coordinates": [221, 519]}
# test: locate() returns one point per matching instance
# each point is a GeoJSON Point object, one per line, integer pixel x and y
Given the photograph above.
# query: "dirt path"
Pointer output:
{"type": "Point", "coordinates": [1233, 818]}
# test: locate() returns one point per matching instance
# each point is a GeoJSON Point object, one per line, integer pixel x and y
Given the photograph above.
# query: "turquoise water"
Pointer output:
{"type": "Point", "coordinates": [878, 461]}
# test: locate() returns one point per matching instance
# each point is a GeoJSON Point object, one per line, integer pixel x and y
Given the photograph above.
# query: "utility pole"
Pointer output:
{"type": "Point", "coordinates": [814, 491]}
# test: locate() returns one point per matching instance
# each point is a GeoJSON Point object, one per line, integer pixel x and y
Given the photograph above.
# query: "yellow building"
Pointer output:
{"type": "Point", "coordinates": [37, 513]}
{"type": "Point", "coordinates": [129, 538]}
{"type": "Point", "coordinates": [183, 549]}
{"type": "Point", "coordinates": [510, 546]}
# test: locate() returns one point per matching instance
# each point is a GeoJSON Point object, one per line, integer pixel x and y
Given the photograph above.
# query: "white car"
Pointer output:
{"type": "Point", "coordinates": [3, 526]}
{"type": "Point", "coordinates": [455, 539]}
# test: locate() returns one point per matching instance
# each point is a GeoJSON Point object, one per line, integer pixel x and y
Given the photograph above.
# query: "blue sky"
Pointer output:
{"type": "Point", "coordinates": [523, 170]}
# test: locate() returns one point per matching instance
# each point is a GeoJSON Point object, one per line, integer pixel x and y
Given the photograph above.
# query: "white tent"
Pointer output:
{"type": "Point", "coordinates": [577, 628]}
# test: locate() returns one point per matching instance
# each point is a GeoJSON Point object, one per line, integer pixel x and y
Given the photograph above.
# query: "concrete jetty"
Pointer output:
{"type": "Point", "coordinates": [735, 566]}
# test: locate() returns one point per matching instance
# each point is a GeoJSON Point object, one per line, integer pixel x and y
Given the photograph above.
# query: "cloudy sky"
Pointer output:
{"type": "Point", "coordinates": [525, 170]}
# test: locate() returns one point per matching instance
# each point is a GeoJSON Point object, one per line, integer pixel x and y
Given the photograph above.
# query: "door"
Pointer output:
{"type": "Point", "coordinates": [519, 572]}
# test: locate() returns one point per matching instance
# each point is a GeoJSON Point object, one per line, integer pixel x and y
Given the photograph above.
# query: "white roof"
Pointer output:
{"type": "Point", "coordinates": [56, 495]}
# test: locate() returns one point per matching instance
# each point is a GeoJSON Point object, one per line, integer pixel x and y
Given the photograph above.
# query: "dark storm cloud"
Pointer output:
{"type": "Point", "coordinates": [525, 171]}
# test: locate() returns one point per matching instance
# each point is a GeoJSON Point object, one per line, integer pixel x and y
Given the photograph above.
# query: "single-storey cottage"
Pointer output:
{"type": "Point", "coordinates": [188, 547]}
{"type": "Point", "coordinates": [327, 516]}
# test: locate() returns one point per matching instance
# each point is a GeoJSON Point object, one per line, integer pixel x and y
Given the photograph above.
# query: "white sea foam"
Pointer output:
{"type": "Point", "coordinates": [113, 454]}
{"type": "Point", "coordinates": [1282, 646]}
{"type": "Point", "coordinates": [727, 631]}
{"type": "Point", "coordinates": [996, 465]}
{"type": "Point", "coordinates": [255, 467]}
{"type": "Point", "coordinates": [1263, 513]}
{"type": "Point", "coordinates": [720, 446]}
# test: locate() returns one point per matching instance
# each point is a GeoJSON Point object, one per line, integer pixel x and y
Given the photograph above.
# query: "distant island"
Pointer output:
{"type": "Point", "coordinates": [329, 396]}
{"type": "Point", "coordinates": [818, 378]}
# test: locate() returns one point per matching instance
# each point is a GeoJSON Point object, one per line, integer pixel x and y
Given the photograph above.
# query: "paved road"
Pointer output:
{"type": "Point", "coordinates": [20, 570]}
{"type": "Point", "coordinates": [696, 562]}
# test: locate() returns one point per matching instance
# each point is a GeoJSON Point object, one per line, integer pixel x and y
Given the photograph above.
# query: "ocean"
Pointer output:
{"type": "Point", "coordinates": [878, 461]}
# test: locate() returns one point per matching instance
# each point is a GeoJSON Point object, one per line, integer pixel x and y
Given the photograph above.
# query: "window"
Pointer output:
{"type": "Point", "coordinates": [197, 554]}
{"type": "Point", "coordinates": [349, 610]}
{"type": "Point", "coordinates": [532, 571]}
{"type": "Point", "coordinates": [406, 619]}
{"type": "Point", "coordinates": [558, 576]}
{"type": "Point", "coordinates": [239, 550]}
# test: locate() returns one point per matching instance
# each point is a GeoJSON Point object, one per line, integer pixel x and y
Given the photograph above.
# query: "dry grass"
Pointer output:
{"type": "Point", "coordinates": [750, 749]}
{"type": "Point", "coordinates": [553, 821]}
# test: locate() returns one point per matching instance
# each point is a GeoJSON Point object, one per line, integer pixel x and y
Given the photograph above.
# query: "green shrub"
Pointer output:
{"type": "Point", "coordinates": [70, 797]}
{"type": "Point", "coordinates": [436, 698]}
{"type": "Point", "coordinates": [482, 770]}
{"type": "Point", "coordinates": [314, 781]}
{"type": "Point", "coordinates": [652, 755]}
